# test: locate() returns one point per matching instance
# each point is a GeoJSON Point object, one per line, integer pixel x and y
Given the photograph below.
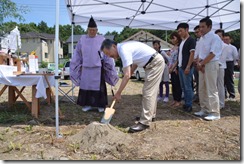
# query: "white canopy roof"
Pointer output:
{"type": "Point", "coordinates": [155, 14]}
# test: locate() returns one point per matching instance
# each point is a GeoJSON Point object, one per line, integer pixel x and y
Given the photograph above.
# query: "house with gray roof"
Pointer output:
{"type": "Point", "coordinates": [43, 44]}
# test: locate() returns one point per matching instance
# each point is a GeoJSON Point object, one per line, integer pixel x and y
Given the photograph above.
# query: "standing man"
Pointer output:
{"type": "Point", "coordinates": [185, 59]}
{"type": "Point", "coordinates": [222, 67]}
{"type": "Point", "coordinates": [195, 72]}
{"type": "Point", "coordinates": [138, 54]}
{"type": "Point", "coordinates": [86, 70]}
{"type": "Point", "coordinates": [239, 65]}
{"type": "Point", "coordinates": [229, 71]}
{"type": "Point", "coordinates": [209, 51]}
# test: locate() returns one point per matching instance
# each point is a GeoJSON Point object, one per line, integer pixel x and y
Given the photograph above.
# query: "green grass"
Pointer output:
{"type": "Point", "coordinates": [15, 115]}
{"type": "Point", "coordinates": [236, 82]}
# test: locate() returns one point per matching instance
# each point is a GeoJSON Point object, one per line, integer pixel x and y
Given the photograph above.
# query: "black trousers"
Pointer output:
{"type": "Point", "coordinates": [176, 87]}
{"type": "Point", "coordinates": [196, 77]}
{"type": "Point", "coordinates": [94, 98]}
{"type": "Point", "coordinates": [229, 80]}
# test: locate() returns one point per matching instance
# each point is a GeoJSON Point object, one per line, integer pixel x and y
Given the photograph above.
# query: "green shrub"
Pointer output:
{"type": "Point", "coordinates": [44, 64]}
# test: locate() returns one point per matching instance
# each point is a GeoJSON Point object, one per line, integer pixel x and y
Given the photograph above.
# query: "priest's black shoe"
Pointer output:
{"type": "Point", "coordinates": [138, 127]}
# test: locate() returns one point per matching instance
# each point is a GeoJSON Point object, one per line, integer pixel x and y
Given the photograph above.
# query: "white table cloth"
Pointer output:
{"type": "Point", "coordinates": [29, 80]}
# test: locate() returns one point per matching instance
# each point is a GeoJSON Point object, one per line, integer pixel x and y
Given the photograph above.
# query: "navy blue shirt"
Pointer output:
{"type": "Point", "coordinates": [189, 44]}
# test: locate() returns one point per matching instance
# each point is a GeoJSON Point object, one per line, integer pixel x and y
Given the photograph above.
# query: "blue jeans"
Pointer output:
{"type": "Point", "coordinates": [186, 85]}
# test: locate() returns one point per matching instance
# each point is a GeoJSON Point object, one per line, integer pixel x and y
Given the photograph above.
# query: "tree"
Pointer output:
{"type": "Point", "coordinates": [31, 27]}
{"type": "Point", "coordinates": [9, 9]}
{"type": "Point", "coordinates": [236, 38]}
{"type": "Point", "coordinates": [42, 27]}
{"type": "Point", "coordinates": [126, 33]}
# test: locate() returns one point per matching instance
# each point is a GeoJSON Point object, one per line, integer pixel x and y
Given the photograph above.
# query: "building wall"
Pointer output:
{"type": "Point", "coordinates": [70, 47]}
{"type": "Point", "coordinates": [44, 52]}
{"type": "Point", "coordinates": [44, 49]}
{"type": "Point", "coordinates": [34, 44]}
{"type": "Point", "coordinates": [51, 48]}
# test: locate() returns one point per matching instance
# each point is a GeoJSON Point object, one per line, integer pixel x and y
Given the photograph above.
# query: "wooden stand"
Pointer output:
{"type": "Point", "coordinates": [1, 59]}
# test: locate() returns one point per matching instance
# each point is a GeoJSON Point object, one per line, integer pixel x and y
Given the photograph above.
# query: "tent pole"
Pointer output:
{"type": "Point", "coordinates": [166, 36]}
{"type": "Point", "coordinates": [56, 69]}
{"type": "Point", "coordinates": [207, 8]}
{"type": "Point", "coordinates": [72, 51]}
{"type": "Point", "coordinates": [221, 25]}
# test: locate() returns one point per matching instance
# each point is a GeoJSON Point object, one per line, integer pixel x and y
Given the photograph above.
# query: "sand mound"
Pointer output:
{"type": "Point", "coordinates": [102, 138]}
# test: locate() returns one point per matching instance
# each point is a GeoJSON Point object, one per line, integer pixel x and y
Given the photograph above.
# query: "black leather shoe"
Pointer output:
{"type": "Point", "coordinates": [188, 109]}
{"type": "Point", "coordinates": [138, 119]}
{"type": "Point", "coordinates": [138, 127]}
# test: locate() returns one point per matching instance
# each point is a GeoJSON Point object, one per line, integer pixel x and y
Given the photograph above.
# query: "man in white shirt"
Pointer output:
{"type": "Point", "coordinates": [229, 71]}
{"type": "Point", "coordinates": [138, 54]}
{"type": "Point", "coordinates": [195, 73]}
{"type": "Point", "coordinates": [208, 51]}
{"type": "Point", "coordinates": [222, 67]}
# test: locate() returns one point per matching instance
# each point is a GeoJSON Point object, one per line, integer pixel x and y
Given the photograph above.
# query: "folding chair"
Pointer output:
{"type": "Point", "coordinates": [66, 94]}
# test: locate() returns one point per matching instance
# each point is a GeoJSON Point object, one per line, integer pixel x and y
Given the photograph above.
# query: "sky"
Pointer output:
{"type": "Point", "coordinates": [45, 10]}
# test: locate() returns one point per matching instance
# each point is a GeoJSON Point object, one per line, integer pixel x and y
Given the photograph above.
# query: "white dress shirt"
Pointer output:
{"type": "Point", "coordinates": [232, 53]}
{"type": "Point", "coordinates": [223, 56]}
{"type": "Point", "coordinates": [135, 52]}
{"type": "Point", "coordinates": [209, 42]}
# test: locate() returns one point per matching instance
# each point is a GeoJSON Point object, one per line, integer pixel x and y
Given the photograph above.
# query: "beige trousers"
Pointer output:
{"type": "Point", "coordinates": [221, 87]}
{"type": "Point", "coordinates": [153, 75]}
{"type": "Point", "coordinates": [208, 91]}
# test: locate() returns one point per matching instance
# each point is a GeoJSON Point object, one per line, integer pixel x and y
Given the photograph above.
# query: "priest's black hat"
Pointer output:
{"type": "Point", "coordinates": [92, 23]}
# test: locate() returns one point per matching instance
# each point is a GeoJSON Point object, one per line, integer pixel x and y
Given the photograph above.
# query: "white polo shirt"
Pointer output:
{"type": "Point", "coordinates": [223, 56]}
{"type": "Point", "coordinates": [209, 42]}
{"type": "Point", "coordinates": [232, 53]}
{"type": "Point", "coordinates": [134, 52]}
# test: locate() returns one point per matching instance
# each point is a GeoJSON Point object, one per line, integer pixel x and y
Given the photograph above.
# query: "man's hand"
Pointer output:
{"type": "Point", "coordinates": [170, 70]}
{"type": "Point", "coordinates": [117, 97]}
{"type": "Point", "coordinates": [201, 67]}
{"type": "Point", "coordinates": [187, 70]}
{"type": "Point", "coordinates": [195, 62]}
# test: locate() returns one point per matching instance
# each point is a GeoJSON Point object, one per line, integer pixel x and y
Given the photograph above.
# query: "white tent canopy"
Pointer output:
{"type": "Point", "coordinates": [155, 14]}
{"type": "Point", "coordinates": [147, 14]}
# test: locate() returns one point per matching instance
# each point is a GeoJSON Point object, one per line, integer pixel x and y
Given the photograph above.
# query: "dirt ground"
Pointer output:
{"type": "Point", "coordinates": [175, 135]}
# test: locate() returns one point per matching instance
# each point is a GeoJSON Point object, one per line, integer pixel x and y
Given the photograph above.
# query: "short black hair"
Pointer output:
{"type": "Point", "coordinates": [156, 41]}
{"type": "Point", "coordinates": [183, 25]}
{"type": "Point", "coordinates": [107, 43]}
{"type": "Point", "coordinates": [197, 27]}
{"type": "Point", "coordinates": [220, 31]}
{"type": "Point", "coordinates": [227, 35]}
{"type": "Point", "coordinates": [207, 20]}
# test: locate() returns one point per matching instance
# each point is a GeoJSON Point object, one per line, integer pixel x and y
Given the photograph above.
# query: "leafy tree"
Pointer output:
{"type": "Point", "coordinates": [31, 27]}
{"type": "Point", "coordinates": [78, 30]}
{"type": "Point", "coordinates": [126, 33]}
{"type": "Point", "coordinates": [9, 9]}
{"type": "Point", "coordinates": [42, 27]}
{"type": "Point", "coordinates": [236, 38]}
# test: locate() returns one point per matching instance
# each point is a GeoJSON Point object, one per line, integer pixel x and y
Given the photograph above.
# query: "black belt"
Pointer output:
{"type": "Point", "coordinates": [229, 61]}
{"type": "Point", "coordinates": [151, 58]}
